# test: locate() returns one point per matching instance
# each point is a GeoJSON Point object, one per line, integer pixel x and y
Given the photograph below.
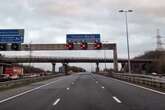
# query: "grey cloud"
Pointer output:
{"type": "Point", "coordinates": [53, 19]}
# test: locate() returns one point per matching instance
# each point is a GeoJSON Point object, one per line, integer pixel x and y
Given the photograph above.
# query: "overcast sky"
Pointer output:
{"type": "Point", "coordinates": [48, 21]}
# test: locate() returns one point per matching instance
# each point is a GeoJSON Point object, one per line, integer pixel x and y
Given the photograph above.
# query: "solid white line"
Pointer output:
{"type": "Point", "coordinates": [152, 90]}
{"type": "Point", "coordinates": [56, 102]}
{"type": "Point", "coordinates": [116, 99]}
{"type": "Point", "coordinates": [28, 91]}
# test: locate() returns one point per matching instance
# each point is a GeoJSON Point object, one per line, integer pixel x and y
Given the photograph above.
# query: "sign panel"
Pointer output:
{"type": "Point", "coordinates": [11, 35]}
{"type": "Point", "coordinates": [89, 38]}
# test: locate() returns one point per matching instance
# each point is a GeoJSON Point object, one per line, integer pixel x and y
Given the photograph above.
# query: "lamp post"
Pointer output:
{"type": "Point", "coordinates": [105, 65]}
{"type": "Point", "coordinates": [30, 53]}
{"type": "Point", "coordinates": [105, 60]}
{"type": "Point", "coordinates": [128, 50]}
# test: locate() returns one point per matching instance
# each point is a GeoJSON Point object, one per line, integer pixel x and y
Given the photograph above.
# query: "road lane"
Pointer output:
{"type": "Point", "coordinates": [134, 97]}
{"type": "Point", "coordinates": [86, 91]}
{"type": "Point", "coordinates": [15, 91]}
{"type": "Point", "coordinates": [87, 95]}
{"type": "Point", "coordinates": [41, 98]}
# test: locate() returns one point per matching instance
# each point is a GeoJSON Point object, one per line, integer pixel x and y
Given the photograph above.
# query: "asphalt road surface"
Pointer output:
{"type": "Point", "coordinates": [83, 91]}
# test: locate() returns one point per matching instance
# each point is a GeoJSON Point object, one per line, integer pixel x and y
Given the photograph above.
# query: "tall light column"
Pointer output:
{"type": "Point", "coordinates": [128, 50]}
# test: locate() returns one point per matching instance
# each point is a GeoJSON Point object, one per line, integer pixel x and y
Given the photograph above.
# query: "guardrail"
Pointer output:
{"type": "Point", "coordinates": [15, 83]}
{"type": "Point", "coordinates": [141, 79]}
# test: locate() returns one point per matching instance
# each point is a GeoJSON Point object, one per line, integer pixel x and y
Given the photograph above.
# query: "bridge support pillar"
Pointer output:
{"type": "Point", "coordinates": [138, 68]}
{"type": "Point", "coordinates": [65, 65]}
{"type": "Point", "coordinates": [97, 67]}
{"type": "Point", "coordinates": [142, 68]}
{"type": "Point", "coordinates": [115, 59]}
{"type": "Point", "coordinates": [53, 67]}
{"type": "Point", "coordinates": [123, 67]}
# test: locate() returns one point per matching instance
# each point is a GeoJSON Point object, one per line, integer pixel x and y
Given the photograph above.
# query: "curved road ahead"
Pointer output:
{"type": "Point", "coordinates": [83, 91]}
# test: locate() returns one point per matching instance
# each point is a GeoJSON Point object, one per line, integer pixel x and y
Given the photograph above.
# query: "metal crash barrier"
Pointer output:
{"type": "Point", "coordinates": [141, 79]}
{"type": "Point", "coordinates": [16, 83]}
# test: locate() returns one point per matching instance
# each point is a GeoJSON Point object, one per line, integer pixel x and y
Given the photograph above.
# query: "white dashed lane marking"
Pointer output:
{"type": "Point", "coordinates": [56, 102]}
{"type": "Point", "coordinates": [102, 87]}
{"type": "Point", "coordinates": [116, 99]}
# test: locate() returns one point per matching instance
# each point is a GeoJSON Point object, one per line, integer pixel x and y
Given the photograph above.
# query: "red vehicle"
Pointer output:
{"type": "Point", "coordinates": [14, 72]}
{"type": "Point", "coordinates": [9, 71]}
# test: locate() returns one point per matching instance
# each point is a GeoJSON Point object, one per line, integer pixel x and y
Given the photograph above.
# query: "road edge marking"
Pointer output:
{"type": "Point", "coordinates": [142, 87]}
{"type": "Point", "coordinates": [25, 92]}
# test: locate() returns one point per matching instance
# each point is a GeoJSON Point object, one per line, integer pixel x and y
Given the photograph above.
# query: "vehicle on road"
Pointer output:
{"type": "Point", "coordinates": [13, 72]}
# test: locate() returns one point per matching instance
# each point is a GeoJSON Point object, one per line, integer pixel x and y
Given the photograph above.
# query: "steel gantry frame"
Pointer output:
{"type": "Point", "coordinates": [53, 47]}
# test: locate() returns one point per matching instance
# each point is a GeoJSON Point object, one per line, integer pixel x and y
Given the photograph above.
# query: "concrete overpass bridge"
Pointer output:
{"type": "Point", "coordinates": [39, 59]}
{"type": "Point", "coordinates": [66, 60]}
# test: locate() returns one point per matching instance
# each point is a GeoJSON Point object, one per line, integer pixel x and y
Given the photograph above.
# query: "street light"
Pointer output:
{"type": "Point", "coordinates": [126, 21]}
{"type": "Point", "coordinates": [30, 54]}
{"type": "Point", "coordinates": [105, 56]}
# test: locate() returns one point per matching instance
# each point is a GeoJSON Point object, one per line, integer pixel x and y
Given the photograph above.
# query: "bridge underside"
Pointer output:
{"type": "Point", "coordinates": [69, 60]}
{"type": "Point", "coordinates": [53, 60]}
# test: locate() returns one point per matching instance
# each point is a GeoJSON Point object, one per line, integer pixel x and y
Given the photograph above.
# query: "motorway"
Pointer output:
{"type": "Point", "coordinates": [82, 91]}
